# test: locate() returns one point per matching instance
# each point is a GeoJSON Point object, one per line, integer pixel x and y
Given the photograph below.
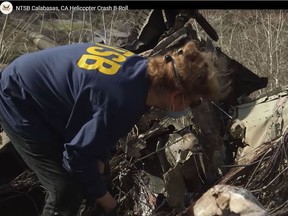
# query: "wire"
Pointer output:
{"type": "Point", "coordinates": [221, 110]}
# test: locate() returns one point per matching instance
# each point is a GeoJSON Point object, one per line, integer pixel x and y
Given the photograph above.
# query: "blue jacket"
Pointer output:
{"type": "Point", "coordinates": [90, 95]}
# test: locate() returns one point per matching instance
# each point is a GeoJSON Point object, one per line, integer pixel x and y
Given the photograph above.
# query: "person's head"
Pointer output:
{"type": "Point", "coordinates": [181, 78]}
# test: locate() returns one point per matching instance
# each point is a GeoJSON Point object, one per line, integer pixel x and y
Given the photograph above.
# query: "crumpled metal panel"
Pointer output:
{"type": "Point", "coordinates": [228, 200]}
{"type": "Point", "coordinates": [182, 149]}
{"type": "Point", "coordinates": [185, 160]}
{"type": "Point", "coordinates": [153, 183]}
{"type": "Point", "coordinates": [263, 121]}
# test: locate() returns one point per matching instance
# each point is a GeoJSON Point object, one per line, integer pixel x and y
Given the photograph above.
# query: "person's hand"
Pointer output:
{"type": "Point", "coordinates": [107, 202]}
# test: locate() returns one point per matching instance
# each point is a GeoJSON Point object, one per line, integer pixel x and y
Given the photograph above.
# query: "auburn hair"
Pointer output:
{"type": "Point", "coordinates": [188, 69]}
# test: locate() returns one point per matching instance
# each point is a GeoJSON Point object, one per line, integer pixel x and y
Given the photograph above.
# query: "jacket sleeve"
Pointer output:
{"type": "Point", "coordinates": [81, 154]}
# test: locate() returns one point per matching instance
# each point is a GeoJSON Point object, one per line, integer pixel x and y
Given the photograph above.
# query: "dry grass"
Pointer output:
{"type": "Point", "coordinates": [63, 27]}
{"type": "Point", "coordinates": [256, 38]}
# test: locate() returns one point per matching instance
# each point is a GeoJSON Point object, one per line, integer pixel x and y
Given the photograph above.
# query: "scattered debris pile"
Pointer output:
{"type": "Point", "coordinates": [261, 166]}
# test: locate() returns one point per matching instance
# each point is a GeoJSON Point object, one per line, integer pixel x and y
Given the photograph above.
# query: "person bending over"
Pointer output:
{"type": "Point", "coordinates": [65, 108]}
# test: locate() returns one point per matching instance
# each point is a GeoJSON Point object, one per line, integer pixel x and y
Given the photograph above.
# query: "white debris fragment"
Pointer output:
{"type": "Point", "coordinates": [228, 200]}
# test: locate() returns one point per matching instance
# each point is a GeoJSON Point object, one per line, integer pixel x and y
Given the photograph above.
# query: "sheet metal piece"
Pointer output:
{"type": "Point", "coordinates": [264, 121]}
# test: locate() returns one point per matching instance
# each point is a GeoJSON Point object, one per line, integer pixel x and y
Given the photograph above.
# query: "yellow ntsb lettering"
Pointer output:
{"type": "Point", "coordinates": [95, 59]}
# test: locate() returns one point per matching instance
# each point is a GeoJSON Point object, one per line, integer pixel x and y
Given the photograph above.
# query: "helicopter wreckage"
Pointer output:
{"type": "Point", "coordinates": [228, 158]}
